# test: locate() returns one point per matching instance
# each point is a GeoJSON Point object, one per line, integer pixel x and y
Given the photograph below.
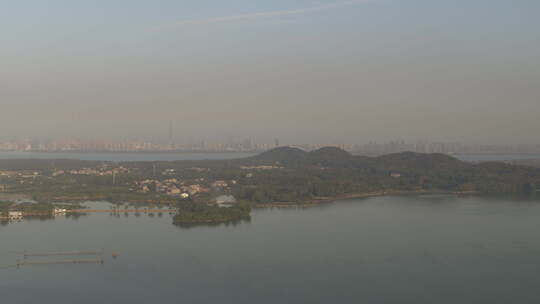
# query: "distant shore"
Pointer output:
{"type": "Point", "coordinates": [182, 151]}
{"type": "Point", "coordinates": [327, 200]}
{"type": "Point", "coordinates": [133, 152]}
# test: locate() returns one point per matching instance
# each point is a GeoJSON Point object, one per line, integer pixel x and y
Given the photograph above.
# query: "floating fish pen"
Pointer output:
{"type": "Point", "coordinates": [68, 253]}
{"type": "Point", "coordinates": [75, 261]}
{"type": "Point", "coordinates": [77, 257]}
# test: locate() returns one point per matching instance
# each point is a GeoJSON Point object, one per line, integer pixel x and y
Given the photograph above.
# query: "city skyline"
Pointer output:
{"type": "Point", "coordinates": [254, 145]}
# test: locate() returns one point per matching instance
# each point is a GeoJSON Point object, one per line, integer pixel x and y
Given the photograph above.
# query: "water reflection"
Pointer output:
{"type": "Point", "coordinates": [378, 250]}
{"type": "Point", "coordinates": [233, 223]}
{"type": "Point", "coordinates": [123, 215]}
{"type": "Point", "coordinates": [42, 218]}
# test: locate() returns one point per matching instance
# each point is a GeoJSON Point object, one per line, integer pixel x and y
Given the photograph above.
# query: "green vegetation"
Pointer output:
{"type": "Point", "coordinates": [194, 213]}
{"type": "Point", "coordinates": [35, 208]}
{"type": "Point", "coordinates": [331, 172]}
{"type": "Point", "coordinates": [4, 208]}
{"type": "Point", "coordinates": [280, 176]}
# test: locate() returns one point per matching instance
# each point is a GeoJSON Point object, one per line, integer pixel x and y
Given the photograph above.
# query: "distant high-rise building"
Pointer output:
{"type": "Point", "coordinates": [276, 142]}
{"type": "Point", "coordinates": [170, 135]}
{"type": "Point", "coordinates": [247, 144]}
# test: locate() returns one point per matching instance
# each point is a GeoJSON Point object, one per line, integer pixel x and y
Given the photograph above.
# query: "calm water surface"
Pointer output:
{"type": "Point", "coordinates": [431, 249]}
{"type": "Point", "coordinates": [495, 157]}
{"type": "Point", "coordinates": [118, 157]}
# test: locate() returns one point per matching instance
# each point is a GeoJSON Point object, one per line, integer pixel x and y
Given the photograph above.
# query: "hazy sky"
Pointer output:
{"type": "Point", "coordinates": [299, 70]}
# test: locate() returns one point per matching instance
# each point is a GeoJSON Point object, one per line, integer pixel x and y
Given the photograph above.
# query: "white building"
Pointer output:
{"type": "Point", "coordinates": [225, 201]}
{"type": "Point", "coordinates": [15, 215]}
{"type": "Point", "coordinates": [59, 211]}
{"type": "Point", "coordinates": [184, 195]}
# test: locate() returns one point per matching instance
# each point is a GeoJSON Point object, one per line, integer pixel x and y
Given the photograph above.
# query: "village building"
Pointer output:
{"type": "Point", "coordinates": [225, 201]}
{"type": "Point", "coordinates": [58, 211]}
{"type": "Point", "coordinates": [15, 215]}
{"type": "Point", "coordinates": [174, 191]}
{"type": "Point", "coordinates": [184, 195]}
{"type": "Point", "coordinates": [219, 184]}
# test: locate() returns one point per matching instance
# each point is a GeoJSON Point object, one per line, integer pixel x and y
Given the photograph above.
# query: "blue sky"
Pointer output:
{"type": "Point", "coordinates": [330, 70]}
{"type": "Point", "coordinates": [43, 23]}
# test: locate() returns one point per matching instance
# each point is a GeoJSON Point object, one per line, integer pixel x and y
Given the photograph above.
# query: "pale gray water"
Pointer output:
{"type": "Point", "coordinates": [120, 156]}
{"type": "Point", "coordinates": [432, 249]}
{"type": "Point", "coordinates": [495, 157]}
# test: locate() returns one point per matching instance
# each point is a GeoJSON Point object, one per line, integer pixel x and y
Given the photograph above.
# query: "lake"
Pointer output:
{"type": "Point", "coordinates": [412, 249]}
{"type": "Point", "coordinates": [495, 157]}
{"type": "Point", "coordinates": [122, 156]}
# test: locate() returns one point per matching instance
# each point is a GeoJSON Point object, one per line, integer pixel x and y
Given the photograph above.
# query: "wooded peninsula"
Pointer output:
{"type": "Point", "coordinates": [215, 191]}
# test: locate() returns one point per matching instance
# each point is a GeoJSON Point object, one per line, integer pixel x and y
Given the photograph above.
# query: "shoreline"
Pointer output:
{"type": "Point", "coordinates": [132, 152]}
{"type": "Point", "coordinates": [329, 200]}
{"type": "Point", "coordinates": [314, 202]}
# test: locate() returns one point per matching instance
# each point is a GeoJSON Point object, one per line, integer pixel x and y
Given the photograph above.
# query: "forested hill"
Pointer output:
{"type": "Point", "coordinates": [282, 154]}
{"type": "Point", "coordinates": [404, 162]}
{"type": "Point", "coordinates": [420, 161]}
{"type": "Point", "coordinates": [293, 175]}
{"type": "Point", "coordinates": [336, 157]}
{"type": "Point", "coordinates": [335, 172]}
{"type": "Point", "coordinates": [288, 154]}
